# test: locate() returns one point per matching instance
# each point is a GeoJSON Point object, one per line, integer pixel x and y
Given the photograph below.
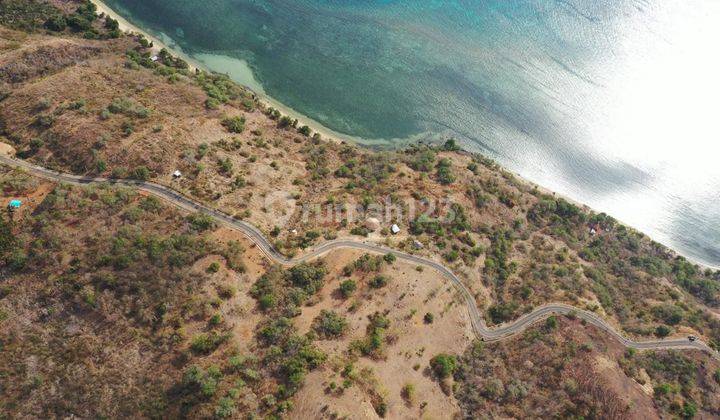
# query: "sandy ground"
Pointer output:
{"type": "Point", "coordinates": [408, 297]}
{"type": "Point", "coordinates": [6, 149]}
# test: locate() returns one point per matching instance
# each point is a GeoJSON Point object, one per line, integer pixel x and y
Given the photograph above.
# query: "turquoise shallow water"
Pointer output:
{"type": "Point", "coordinates": [604, 101]}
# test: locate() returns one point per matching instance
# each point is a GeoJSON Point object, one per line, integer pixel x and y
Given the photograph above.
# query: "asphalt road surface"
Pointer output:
{"type": "Point", "coordinates": [255, 235]}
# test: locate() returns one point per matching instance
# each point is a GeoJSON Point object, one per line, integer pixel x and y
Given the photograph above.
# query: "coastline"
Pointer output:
{"type": "Point", "coordinates": [194, 64]}
{"type": "Point", "coordinates": [331, 135]}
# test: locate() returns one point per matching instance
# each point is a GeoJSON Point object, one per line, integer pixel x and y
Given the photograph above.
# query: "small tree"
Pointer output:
{"type": "Point", "coordinates": [662, 331]}
{"type": "Point", "coordinates": [214, 267]}
{"type": "Point", "coordinates": [329, 324]}
{"type": "Point", "coordinates": [443, 365]}
{"type": "Point", "coordinates": [56, 23]}
{"type": "Point", "coordinates": [234, 124]}
{"type": "Point", "coordinates": [551, 323]}
{"type": "Point", "coordinates": [451, 145]}
{"type": "Point", "coordinates": [408, 393]}
{"type": "Point", "coordinates": [141, 172]}
{"type": "Point", "coordinates": [201, 221]}
{"type": "Point", "coordinates": [444, 172]}
{"type": "Point", "coordinates": [379, 281]}
{"type": "Point", "coordinates": [304, 130]}
{"type": "Point", "coordinates": [347, 288]}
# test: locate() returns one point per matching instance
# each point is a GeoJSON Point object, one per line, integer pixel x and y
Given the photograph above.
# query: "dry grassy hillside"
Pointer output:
{"type": "Point", "coordinates": [102, 269]}
{"type": "Point", "coordinates": [566, 369]}
{"type": "Point", "coordinates": [104, 107]}
{"type": "Point", "coordinates": [114, 305]}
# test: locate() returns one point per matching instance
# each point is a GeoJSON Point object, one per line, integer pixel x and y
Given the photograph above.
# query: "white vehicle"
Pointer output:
{"type": "Point", "coordinates": [692, 338]}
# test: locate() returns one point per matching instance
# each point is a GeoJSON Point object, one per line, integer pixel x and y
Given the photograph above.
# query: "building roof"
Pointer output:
{"type": "Point", "coordinates": [395, 228]}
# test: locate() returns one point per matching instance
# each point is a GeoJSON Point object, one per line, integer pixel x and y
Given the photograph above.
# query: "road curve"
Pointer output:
{"type": "Point", "coordinates": [256, 236]}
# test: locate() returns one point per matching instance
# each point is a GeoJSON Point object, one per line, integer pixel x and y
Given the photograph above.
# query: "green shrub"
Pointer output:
{"type": "Point", "coordinates": [380, 408]}
{"type": "Point", "coordinates": [689, 410]}
{"type": "Point", "coordinates": [206, 343]}
{"type": "Point", "coordinates": [266, 301]}
{"type": "Point", "coordinates": [502, 312]}
{"type": "Point", "coordinates": [196, 379]}
{"type": "Point", "coordinates": [451, 145]}
{"type": "Point", "coordinates": [373, 344]}
{"type": "Point", "coordinates": [408, 393]}
{"type": "Point", "coordinates": [662, 331]}
{"type": "Point", "coordinates": [215, 319]}
{"type": "Point", "coordinates": [551, 323]}
{"type": "Point", "coordinates": [429, 318]}
{"type": "Point", "coordinates": [234, 124]}
{"type": "Point", "coordinates": [452, 256]}
{"type": "Point", "coordinates": [214, 267]}
{"type": "Point", "coordinates": [128, 107]}
{"type": "Point", "coordinates": [226, 291]}
{"type": "Point", "coordinates": [202, 150]}
{"type": "Point", "coordinates": [445, 175]}
{"type": "Point", "coordinates": [226, 166]}
{"type": "Point", "coordinates": [329, 325]}
{"type": "Point", "coordinates": [285, 122]}
{"type": "Point", "coordinates": [347, 288]}
{"type": "Point", "coordinates": [378, 282]}
{"type": "Point", "coordinates": [423, 160]}
{"type": "Point", "coordinates": [212, 103]}
{"type": "Point", "coordinates": [45, 120]}
{"type": "Point", "coordinates": [360, 231]}
{"type": "Point", "coordinates": [343, 172]}
{"type": "Point", "coordinates": [309, 277]}
{"type": "Point", "coordinates": [225, 408]}
{"type": "Point", "coordinates": [304, 130]}
{"type": "Point", "coordinates": [668, 313]}
{"type": "Point", "coordinates": [56, 23]}
{"type": "Point", "coordinates": [150, 204]}
{"type": "Point", "coordinates": [444, 365]}
{"type": "Point", "coordinates": [368, 263]}
{"type": "Point", "coordinates": [141, 173]}
{"type": "Point", "coordinates": [128, 128]}
{"type": "Point", "coordinates": [201, 221]}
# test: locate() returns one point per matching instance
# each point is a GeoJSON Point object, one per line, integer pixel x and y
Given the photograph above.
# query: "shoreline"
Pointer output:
{"type": "Point", "coordinates": [331, 135]}
{"type": "Point", "coordinates": [194, 64]}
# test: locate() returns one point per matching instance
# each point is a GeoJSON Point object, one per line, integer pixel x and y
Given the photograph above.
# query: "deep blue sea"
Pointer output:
{"type": "Point", "coordinates": [610, 102]}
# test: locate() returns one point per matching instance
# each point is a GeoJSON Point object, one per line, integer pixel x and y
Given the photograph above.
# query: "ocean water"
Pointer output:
{"type": "Point", "coordinates": [610, 102]}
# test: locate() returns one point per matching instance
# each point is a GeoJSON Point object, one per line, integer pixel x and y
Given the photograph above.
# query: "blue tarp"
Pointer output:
{"type": "Point", "coordinates": [15, 204]}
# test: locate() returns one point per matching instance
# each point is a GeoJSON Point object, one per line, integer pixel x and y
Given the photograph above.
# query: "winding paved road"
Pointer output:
{"type": "Point", "coordinates": [255, 235]}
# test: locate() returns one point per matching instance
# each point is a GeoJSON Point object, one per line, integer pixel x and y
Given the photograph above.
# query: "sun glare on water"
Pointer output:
{"type": "Point", "coordinates": [659, 112]}
{"type": "Point", "coordinates": [663, 99]}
